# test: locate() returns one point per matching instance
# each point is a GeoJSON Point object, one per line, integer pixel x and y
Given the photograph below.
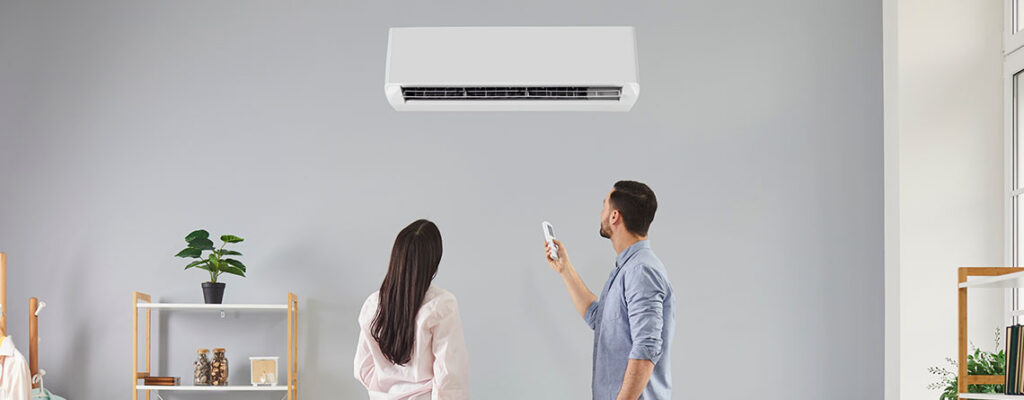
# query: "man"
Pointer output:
{"type": "Point", "coordinates": [633, 319]}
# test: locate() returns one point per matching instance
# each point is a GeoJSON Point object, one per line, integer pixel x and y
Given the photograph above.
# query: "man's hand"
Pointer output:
{"type": "Point", "coordinates": [581, 296]}
{"type": "Point", "coordinates": [562, 263]}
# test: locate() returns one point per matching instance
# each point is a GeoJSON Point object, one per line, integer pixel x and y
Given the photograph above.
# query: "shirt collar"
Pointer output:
{"type": "Point", "coordinates": [628, 253]}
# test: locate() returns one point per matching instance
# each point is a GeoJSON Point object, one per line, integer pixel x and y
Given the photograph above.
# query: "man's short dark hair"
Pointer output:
{"type": "Point", "coordinates": [636, 203]}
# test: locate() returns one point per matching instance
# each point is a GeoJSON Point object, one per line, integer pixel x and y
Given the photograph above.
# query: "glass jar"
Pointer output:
{"type": "Point", "coordinates": [219, 368]}
{"type": "Point", "coordinates": [202, 369]}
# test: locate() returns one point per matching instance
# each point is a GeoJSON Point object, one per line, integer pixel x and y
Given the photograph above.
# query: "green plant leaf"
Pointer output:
{"type": "Point", "coordinates": [201, 244]}
{"type": "Point", "coordinates": [229, 253]}
{"type": "Point", "coordinates": [190, 252]}
{"type": "Point", "coordinates": [231, 238]}
{"type": "Point", "coordinates": [195, 264]}
{"type": "Point", "coordinates": [231, 269]}
{"type": "Point", "coordinates": [196, 235]}
{"type": "Point", "coordinates": [235, 263]}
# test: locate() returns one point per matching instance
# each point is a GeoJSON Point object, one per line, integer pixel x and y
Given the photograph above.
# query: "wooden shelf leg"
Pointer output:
{"type": "Point", "coordinates": [962, 332]}
{"type": "Point", "coordinates": [33, 339]}
{"type": "Point", "coordinates": [135, 344]}
{"type": "Point", "coordinates": [293, 346]}
{"type": "Point", "coordinates": [136, 374]}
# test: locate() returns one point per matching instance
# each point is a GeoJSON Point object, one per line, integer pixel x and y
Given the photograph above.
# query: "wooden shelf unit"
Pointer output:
{"type": "Point", "coordinates": [989, 278]}
{"type": "Point", "coordinates": [142, 301]}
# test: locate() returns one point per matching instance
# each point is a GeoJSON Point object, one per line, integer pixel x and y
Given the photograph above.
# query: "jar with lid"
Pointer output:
{"type": "Point", "coordinates": [202, 369]}
{"type": "Point", "coordinates": [219, 368]}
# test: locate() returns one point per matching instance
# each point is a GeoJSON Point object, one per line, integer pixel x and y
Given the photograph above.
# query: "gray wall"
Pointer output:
{"type": "Point", "coordinates": [125, 124]}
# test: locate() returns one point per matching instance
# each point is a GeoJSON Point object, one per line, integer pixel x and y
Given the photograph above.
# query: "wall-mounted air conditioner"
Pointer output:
{"type": "Point", "coordinates": [512, 69]}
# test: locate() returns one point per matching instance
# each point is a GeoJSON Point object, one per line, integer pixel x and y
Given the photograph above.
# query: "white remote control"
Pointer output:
{"type": "Point", "coordinates": [549, 236]}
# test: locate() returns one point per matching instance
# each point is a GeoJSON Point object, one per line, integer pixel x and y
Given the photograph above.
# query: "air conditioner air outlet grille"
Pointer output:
{"type": "Point", "coordinates": [470, 93]}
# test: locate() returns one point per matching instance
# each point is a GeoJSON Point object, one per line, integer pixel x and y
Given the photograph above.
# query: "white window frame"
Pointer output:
{"type": "Point", "coordinates": [1013, 63]}
{"type": "Point", "coordinates": [1011, 40]}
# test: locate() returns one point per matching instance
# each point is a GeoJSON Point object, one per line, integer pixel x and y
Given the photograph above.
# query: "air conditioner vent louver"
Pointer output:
{"type": "Point", "coordinates": [512, 68]}
{"type": "Point", "coordinates": [471, 93]}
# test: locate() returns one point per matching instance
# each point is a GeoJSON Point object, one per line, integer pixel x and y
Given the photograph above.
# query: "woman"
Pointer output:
{"type": "Point", "coordinates": [410, 339]}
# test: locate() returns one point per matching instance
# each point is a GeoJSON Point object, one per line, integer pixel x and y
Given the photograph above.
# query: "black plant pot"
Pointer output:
{"type": "Point", "coordinates": [213, 292]}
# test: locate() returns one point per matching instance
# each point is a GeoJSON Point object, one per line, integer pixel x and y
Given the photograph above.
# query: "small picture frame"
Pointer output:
{"type": "Point", "coordinates": [263, 371]}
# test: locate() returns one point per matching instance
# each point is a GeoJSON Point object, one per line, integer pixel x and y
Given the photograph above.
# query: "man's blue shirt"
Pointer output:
{"type": "Point", "coordinates": [633, 318]}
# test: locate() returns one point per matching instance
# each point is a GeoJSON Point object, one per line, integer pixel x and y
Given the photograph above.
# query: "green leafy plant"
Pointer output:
{"type": "Point", "coordinates": [215, 262]}
{"type": "Point", "coordinates": [979, 362]}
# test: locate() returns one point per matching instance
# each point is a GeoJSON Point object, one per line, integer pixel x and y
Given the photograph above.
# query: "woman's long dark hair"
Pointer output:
{"type": "Point", "coordinates": [414, 260]}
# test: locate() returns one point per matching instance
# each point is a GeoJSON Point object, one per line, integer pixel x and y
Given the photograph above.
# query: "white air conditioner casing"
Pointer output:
{"type": "Point", "coordinates": [512, 69]}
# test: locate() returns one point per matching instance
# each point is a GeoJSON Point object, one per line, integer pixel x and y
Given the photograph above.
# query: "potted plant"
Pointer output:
{"type": "Point", "coordinates": [215, 262]}
{"type": "Point", "coordinates": [979, 362]}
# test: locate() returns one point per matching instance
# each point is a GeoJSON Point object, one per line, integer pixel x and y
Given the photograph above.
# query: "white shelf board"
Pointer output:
{"type": "Point", "coordinates": [1006, 281]}
{"type": "Point", "coordinates": [213, 307]}
{"type": "Point", "coordinates": [187, 388]}
{"type": "Point", "coordinates": [991, 396]}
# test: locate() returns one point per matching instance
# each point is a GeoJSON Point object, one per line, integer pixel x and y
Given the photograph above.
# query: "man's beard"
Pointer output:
{"type": "Point", "coordinates": [605, 232]}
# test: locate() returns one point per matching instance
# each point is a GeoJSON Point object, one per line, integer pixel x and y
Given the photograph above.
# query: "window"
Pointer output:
{"type": "Point", "coordinates": [1016, 15]}
{"type": "Point", "coordinates": [1013, 37]}
{"type": "Point", "coordinates": [1013, 98]}
{"type": "Point", "coordinates": [1016, 178]}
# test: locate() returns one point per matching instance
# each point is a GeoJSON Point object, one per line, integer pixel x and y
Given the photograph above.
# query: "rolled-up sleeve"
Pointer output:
{"type": "Point", "coordinates": [590, 316]}
{"type": "Point", "coordinates": [645, 291]}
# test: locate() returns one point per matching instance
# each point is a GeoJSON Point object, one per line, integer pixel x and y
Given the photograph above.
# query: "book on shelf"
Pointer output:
{"type": "Point", "coordinates": [1018, 372]}
{"type": "Point", "coordinates": [1014, 353]}
{"type": "Point", "coordinates": [161, 381]}
{"type": "Point", "coordinates": [1007, 380]}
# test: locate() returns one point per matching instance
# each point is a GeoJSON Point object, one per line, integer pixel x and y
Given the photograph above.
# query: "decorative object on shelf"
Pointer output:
{"type": "Point", "coordinates": [978, 362]}
{"type": "Point", "coordinates": [264, 370]}
{"type": "Point", "coordinates": [215, 262]}
{"type": "Point", "coordinates": [161, 381]}
{"type": "Point", "coordinates": [219, 368]}
{"type": "Point", "coordinates": [202, 371]}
